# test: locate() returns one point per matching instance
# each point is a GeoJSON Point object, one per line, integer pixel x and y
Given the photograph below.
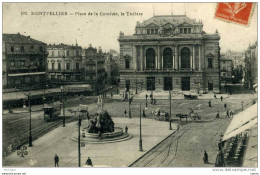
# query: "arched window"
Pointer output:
{"type": "Point", "coordinates": [185, 57]}
{"type": "Point", "coordinates": [150, 58]}
{"type": "Point", "coordinates": [167, 58]}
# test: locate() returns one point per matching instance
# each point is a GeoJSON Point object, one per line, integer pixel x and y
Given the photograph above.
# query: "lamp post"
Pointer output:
{"type": "Point", "coordinates": [129, 102]}
{"type": "Point", "coordinates": [30, 117]}
{"type": "Point", "coordinates": [170, 115]}
{"type": "Point", "coordinates": [140, 141]}
{"type": "Point", "coordinates": [135, 83]}
{"type": "Point", "coordinates": [30, 125]}
{"type": "Point", "coordinates": [79, 155]}
{"type": "Point", "coordinates": [242, 103]}
{"type": "Point", "coordinates": [63, 103]}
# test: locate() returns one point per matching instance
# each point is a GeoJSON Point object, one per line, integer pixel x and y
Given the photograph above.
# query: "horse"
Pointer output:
{"type": "Point", "coordinates": [194, 116]}
{"type": "Point", "coordinates": [182, 116]}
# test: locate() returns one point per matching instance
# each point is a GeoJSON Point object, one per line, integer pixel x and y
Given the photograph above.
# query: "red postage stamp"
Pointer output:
{"type": "Point", "coordinates": [237, 12]}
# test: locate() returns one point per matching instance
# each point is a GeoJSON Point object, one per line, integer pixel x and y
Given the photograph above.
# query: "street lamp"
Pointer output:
{"type": "Point", "coordinates": [129, 102]}
{"type": "Point", "coordinates": [140, 141]}
{"type": "Point", "coordinates": [170, 125]}
{"type": "Point", "coordinates": [242, 103]}
{"type": "Point", "coordinates": [135, 83]}
{"type": "Point", "coordinates": [79, 111]}
{"type": "Point", "coordinates": [62, 89]}
{"type": "Point", "coordinates": [28, 95]}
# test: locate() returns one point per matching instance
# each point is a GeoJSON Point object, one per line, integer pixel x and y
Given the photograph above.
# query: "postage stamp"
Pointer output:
{"type": "Point", "coordinates": [237, 12]}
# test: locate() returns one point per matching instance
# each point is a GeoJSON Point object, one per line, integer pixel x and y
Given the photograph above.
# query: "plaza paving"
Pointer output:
{"type": "Point", "coordinates": [118, 154]}
{"type": "Point", "coordinates": [116, 108]}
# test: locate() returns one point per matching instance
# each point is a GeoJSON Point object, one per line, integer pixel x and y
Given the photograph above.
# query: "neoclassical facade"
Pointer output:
{"type": "Point", "coordinates": [170, 53]}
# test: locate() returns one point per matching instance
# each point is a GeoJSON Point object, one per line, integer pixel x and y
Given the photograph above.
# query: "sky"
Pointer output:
{"type": "Point", "coordinates": [104, 30]}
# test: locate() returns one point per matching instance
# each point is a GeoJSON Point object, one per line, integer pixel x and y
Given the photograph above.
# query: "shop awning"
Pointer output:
{"type": "Point", "coordinates": [241, 122]}
{"type": "Point", "coordinates": [24, 74]}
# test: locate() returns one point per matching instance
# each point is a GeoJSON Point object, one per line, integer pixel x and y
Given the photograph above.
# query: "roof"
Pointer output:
{"type": "Point", "coordinates": [20, 39]}
{"type": "Point", "coordinates": [242, 121]}
{"type": "Point", "coordinates": [164, 19]}
{"type": "Point", "coordinates": [64, 46]}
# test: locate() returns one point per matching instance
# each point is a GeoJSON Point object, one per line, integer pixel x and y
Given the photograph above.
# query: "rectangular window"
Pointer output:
{"type": "Point", "coordinates": [127, 64]}
{"type": "Point", "coordinates": [181, 30]}
{"type": "Point", "coordinates": [41, 49]}
{"type": "Point", "coordinates": [32, 47]}
{"type": "Point", "coordinates": [59, 66]}
{"type": "Point", "coordinates": [68, 53]}
{"type": "Point", "coordinates": [189, 30]}
{"type": "Point", "coordinates": [78, 77]}
{"type": "Point", "coordinates": [52, 53]}
{"type": "Point", "coordinates": [12, 48]}
{"type": "Point", "coordinates": [52, 77]}
{"type": "Point", "coordinates": [59, 53]}
{"type": "Point", "coordinates": [77, 66]}
{"type": "Point", "coordinates": [67, 66]}
{"type": "Point", "coordinates": [185, 30]}
{"type": "Point", "coordinates": [77, 53]}
{"type": "Point", "coordinates": [152, 31]}
{"type": "Point", "coordinates": [59, 77]}
{"type": "Point", "coordinates": [22, 49]}
{"type": "Point", "coordinates": [52, 66]}
{"type": "Point", "coordinates": [156, 31]}
{"type": "Point", "coordinates": [148, 31]}
{"type": "Point", "coordinates": [210, 62]}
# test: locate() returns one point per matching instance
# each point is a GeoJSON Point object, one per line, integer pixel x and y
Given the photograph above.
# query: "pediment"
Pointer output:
{"type": "Point", "coordinates": [210, 55]}
{"type": "Point", "coordinates": [152, 25]}
{"type": "Point", "coordinates": [168, 26]}
{"type": "Point", "coordinates": [185, 24]}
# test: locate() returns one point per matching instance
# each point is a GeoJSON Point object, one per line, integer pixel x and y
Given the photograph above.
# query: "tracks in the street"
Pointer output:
{"type": "Point", "coordinates": [164, 153]}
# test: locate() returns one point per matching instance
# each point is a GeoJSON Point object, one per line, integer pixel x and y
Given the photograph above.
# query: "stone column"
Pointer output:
{"type": "Point", "coordinates": [176, 57]}
{"type": "Point", "coordinates": [162, 62]}
{"type": "Point", "coordinates": [199, 57]}
{"type": "Point", "coordinates": [193, 59]}
{"type": "Point", "coordinates": [159, 57]}
{"type": "Point", "coordinates": [173, 64]}
{"type": "Point", "coordinates": [179, 65]}
{"type": "Point", "coordinates": [141, 58]}
{"type": "Point", "coordinates": [134, 58]}
{"type": "Point", "coordinates": [156, 62]}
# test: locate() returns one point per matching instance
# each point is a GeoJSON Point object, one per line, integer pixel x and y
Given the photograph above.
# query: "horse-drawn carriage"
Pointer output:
{"type": "Point", "coordinates": [190, 97]}
{"type": "Point", "coordinates": [192, 115]}
{"type": "Point", "coordinates": [161, 115]}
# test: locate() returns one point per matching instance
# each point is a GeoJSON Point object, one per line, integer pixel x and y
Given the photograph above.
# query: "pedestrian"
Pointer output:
{"type": "Point", "coordinates": [225, 105]}
{"type": "Point", "coordinates": [56, 160]}
{"type": "Point", "coordinates": [209, 103]}
{"type": "Point", "coordinates": [151, 95]}
{"type": "Point", "coordinates": [205, 158]}
{"type": "Point", "coordinates": [125, 113]}
{"type": "Point", "coordinates": [217, 116]}
{"type": "Point", "coordinates": [231, 114]}
{"type": "Point", "coordinates": [144, 115]}
{"type": "Point", "coordinates": [89, 162]}
{"type": "Point", "coordinates": [151, 100]}
{"type": "Point", "coordinates": [220, 160]}
{"type": "Point", "coordinates": [88, 117]}
{"type": "Point", "coordinates": [215, 96]}
{"type": "Point", "coordinates": [126, 129]}
{"type": "Point", "coordinates": [221, 98]}
{"type": "Point", "coordinates": [146, 96]}
{"type": "Point", "coordinates": [159, 113]}
{"type": "Point", "coordinates": [220, 145]}
{"type": "Point", "coordinates": [154, 101]}
{"type": "Point", "coordinates": [111, 95]}
{"type": "Point", "coordinates": [228, 114]}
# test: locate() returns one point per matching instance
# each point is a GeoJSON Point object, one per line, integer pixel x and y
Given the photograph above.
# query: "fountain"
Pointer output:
{"type": "Point", "coordinates": [101, 129]}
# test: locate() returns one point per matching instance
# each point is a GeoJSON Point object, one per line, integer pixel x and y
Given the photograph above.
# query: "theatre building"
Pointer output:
{"type": "Point", "coordinates": [170, 53]}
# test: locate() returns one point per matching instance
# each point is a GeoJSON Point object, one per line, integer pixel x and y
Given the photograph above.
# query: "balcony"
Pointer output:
{"type": "Point", "coordinates": [29, 53]}
{"type": "Point", "coordinates": [64, 71]}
